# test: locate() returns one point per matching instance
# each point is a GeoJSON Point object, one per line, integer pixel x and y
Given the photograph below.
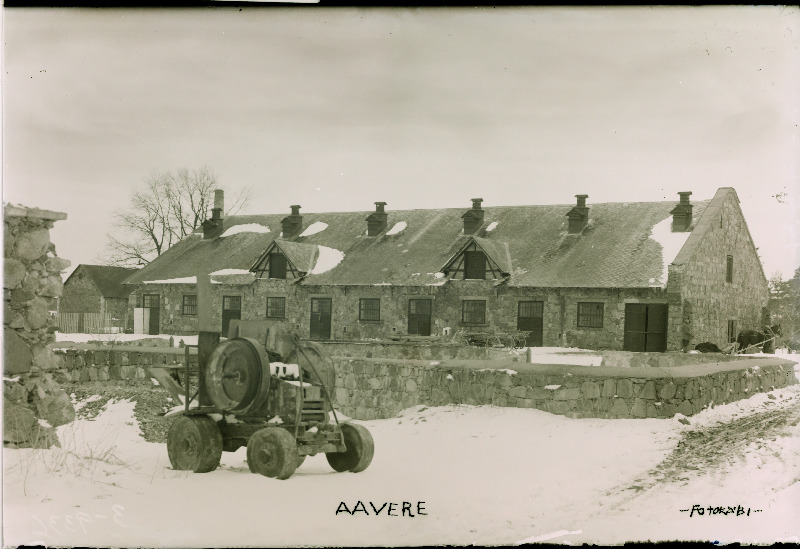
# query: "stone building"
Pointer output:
{"type": "Point", "coordinates": [643, 276]}
{"type": "Point", "coordinates": [97, 289]}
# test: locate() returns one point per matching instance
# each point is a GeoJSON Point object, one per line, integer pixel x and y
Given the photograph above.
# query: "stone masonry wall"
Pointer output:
{"type": "Point", "coordinates": [709, 302]}
{"type": "Point", "coordinates": [33, 402]}
{"type": "Point", "coordinates": [380, 388]}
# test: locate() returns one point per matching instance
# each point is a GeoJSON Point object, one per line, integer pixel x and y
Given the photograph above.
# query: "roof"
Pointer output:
{"type": "Point", "coordinates": [615, 250]}
{"type": "Point", "coordinates": [107, 279]}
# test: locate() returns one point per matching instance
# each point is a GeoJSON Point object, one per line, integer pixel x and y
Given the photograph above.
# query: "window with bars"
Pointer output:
{"type": "Point", "coordinates": [369, 308]}
{"type": "Point", "coordinates": [729, 270]}
{"type": "Point", "coordinates": [731, 331]}
{"type": "Point", "coordinates": [473, 312]}
{"type": "Point", "coordinates": [231, 303]}
{"type": "Point", "coordinates": [189, 305]}
{"type": "Point", "coordinates": [276, 307]}
{"type": "Point", "coordinates": [590, 315]}
{"type": "Point", "coordinates": [151, 301]}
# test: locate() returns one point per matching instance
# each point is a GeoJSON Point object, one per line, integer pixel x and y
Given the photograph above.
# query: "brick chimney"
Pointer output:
{"type": "Point", "coordinates": [578, 215]}
{"type": "Point", "coordinates": [682, 214]}
{"type": "Point", "coordinates": [376, 222]}
{"type": "Point", "coordinates": [293, 223]}
{"type": "Point", "coordinates": [212, 228]}
{"type": "Point", "coordinates": [473, 218]}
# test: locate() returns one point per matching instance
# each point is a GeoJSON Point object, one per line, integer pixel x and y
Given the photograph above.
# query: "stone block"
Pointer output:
{"type": "Point", "coordinates": [92, 373]}
{"type": "Point", "coordinates": [102, 373]}
{"type": "Point", "coordinates": [609, 388]}
{"type": "Point", "coordinates": [620, 408]}
{"type": "Point", "coordinates": [56, 409]}
{"type": "Point", "coordinates": [13, 273]}
{"type": "Point", "coordinates": [689, 390]}
{"type": "Point", "coordinates": [557, 407]}
{"type": "Point", "coordinates": [590, 389]}
{"type": "Point", "coordinates": [411, 386]}
{"type": "Point", "coordinates": [667, 391]}
{"type": "Point", "coordinates": [524, 403]}
{"type": "Point", "coordinates": [539, 393]}
{"type": "Point", "coordinates": [37, 313]}
{"type": "Point", "coordinates": [686, 408]}
{"type": "Point", "coordinates": [33, 244]}
{"type": "Point", "coordinates": [505, 381]}
{"type": "Point", "coordinates": [374, 383]}
{"type": "Point", "coordinates": [639, 408]}
{"type": "Point", "coordinates": [567, 394]}
{"type": "Point", "coordinates": [519, 391]}
{"type": "Point", "coordinates": [17, 355]}
{"type": "Point", "coordinates": [624, 388]}
{"type": "Point", "coordinates": [350, 381]}
{"type": "Point", "coordinates": [18, 422]}
{"type": "Point", "coordinates": [668, 409]}
{"type": "Point", "coordinates": [648, 390]}
{"type": "Point", "coordinates": [652, 409]}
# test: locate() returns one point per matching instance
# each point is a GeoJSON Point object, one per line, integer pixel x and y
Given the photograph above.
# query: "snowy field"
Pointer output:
{"type": "Point", "coordinates": [486, 475]}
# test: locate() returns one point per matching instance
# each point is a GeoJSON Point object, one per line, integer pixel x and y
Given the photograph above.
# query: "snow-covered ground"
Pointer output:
{"type": "Point", "coordinates": [564, 355]}
{"type": "Point", "coordinates": [486, 475]}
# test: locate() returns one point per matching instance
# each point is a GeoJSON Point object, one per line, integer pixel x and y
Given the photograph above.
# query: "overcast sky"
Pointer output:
{"type": "Point", "coordinates": [421, 108]}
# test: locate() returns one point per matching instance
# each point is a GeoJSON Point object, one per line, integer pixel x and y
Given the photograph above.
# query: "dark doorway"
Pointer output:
{"type": "Point", "coordinates": [645, 327]}
{"type": "Point", "coordinates": [321, 318]}
{"type": "Point", "coordinates": [231, 308]}
{"type": "Point", "coordinates": [152, 302]}
{"type": "Point", "coordinates": [419, 317]}
{"type": "Point", "coordinates": [529, 319]}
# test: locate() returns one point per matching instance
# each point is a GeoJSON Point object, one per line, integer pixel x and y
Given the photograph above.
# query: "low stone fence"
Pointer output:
{"type": "Point", "coordinates": [98, 363]}
{"type": "Point", "coordinates": [380, 388]}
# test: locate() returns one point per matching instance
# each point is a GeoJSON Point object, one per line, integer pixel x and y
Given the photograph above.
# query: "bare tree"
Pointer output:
{"type": "Point", "coordinates": [167, 208]}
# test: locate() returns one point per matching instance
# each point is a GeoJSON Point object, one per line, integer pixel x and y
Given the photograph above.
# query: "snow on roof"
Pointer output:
{"type": "Point", "coordinates": [671, 244]}
{"type": "Point", "coordinates": [327, 260]}
{"type": "Point", "coordinates": [314, 228]}
{"type": "Point", "coordinates": [246, 228]}
{"type": "Point", "coordinates": [184, 280]}
{"type": "Point", "coordinates": [491, 226]}
{"type": "Point", "coordinates": [399, 226]}
{"type": "Point", "coordinates": [231, 272]}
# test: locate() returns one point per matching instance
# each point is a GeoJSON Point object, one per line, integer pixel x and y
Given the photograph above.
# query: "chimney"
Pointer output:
{"type": "Point", "coordinates": [212, 228]}
{"type": "Point", "coordinates": [291, 224]}
{"type": "Point", "coordinates": [473, 219]}
{"type": "Point", "coordinates": [578, 215]}
{"type": "Point", "coordinates": [682, 214]}
{"type": "Point", "coordinates": [376, 222]}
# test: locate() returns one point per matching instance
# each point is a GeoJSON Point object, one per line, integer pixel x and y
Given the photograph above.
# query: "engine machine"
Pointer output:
{"type": "Point", "coordinates": [265, 389]}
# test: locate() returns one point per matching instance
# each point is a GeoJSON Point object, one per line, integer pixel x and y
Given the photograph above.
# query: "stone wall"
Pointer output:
{"type": "Point", "coordinates": [699, 274]}
{"type": "Point", "coordinates": [33, 402]}
{"type": "Point", "coordinates": [101, 363]}
{"type": "Point", "coordinates": [380, 388]}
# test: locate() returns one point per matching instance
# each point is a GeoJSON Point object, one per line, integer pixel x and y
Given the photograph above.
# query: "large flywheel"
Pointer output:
{"type": "Point", "coordinates": [237, 376]}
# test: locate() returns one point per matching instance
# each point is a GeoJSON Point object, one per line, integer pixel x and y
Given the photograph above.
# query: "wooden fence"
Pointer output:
{"type": "Point", "coordinates": [88, 323]}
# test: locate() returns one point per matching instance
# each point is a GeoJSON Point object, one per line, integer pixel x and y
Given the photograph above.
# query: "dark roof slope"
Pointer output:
{"type": "Point", "coordinates": [108, 280]}
{"type": "Point", "coordinates": [615, 250]}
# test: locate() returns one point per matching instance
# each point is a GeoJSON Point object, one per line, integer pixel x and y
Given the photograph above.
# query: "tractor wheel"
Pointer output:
{"type": "Point", "coordinates": [194, 443]}
{"type": "Point", "coordinates": [272, 452]}
{"type": "Point", "coordinates": [360, 449]}
{"type": "Point", "coordinates": [300, 461]}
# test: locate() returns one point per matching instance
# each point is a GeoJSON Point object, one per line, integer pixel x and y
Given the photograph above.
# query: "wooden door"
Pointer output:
{"type": "Point", "coordinates": [419, 317]}
{"type": "Point", "coordinates": [645, 327]}
{"type": "Point", "coordinates": [529, 319]}
{"type": "Point", "coordinates": [231, 309]}
{"type": "Point", "coordinates": [321, 318]}
{"type": "Point", "coordinates": [153, 303]}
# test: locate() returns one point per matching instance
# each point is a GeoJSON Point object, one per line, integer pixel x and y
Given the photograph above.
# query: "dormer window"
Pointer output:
{"type": "Point", "coordinates": [474, 265]}
{"type": "Point", "coordinates": [277, 265]}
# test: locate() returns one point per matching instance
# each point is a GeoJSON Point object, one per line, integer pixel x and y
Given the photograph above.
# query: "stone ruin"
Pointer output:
{"type": "Point", "coordinates": [34, 403]}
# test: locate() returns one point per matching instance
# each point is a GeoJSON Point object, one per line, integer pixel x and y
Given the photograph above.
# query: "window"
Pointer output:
{"type": "Point", "coordinates": [474, 265]}
{"type": "Point", "coordinates": [231, 303]}
{"type": "Point", "coordinates": [276, 307]}
{"type": "Point", "coordinates": [277, 265]}
{"type": "Point", "coordinates": [150, 301]}
{"type": "Point", "coordinates": [590, 315]}
{"type": "Point", "coordinates": [369, 308]}
{"type": "Point", "coordinates": [190, 305]}
{"type": "Point", "coordinates": [731, 331]}
{"type": "Point", "coordinates": [473, 312]}
{"type": "Point", "coordinates": [729, 271]}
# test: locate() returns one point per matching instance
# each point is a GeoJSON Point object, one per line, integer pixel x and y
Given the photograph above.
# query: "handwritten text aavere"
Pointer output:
{"type": "Point", "coordinates": [405, 509]}
{"type": "Point", "coordinates": [736, 511]}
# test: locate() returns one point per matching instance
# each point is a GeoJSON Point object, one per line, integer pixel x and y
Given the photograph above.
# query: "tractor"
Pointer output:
{"type": "Point", "coordinates": [265, 389]}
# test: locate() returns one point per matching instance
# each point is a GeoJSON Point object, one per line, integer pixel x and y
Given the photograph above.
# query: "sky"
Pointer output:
{"type": "Point", "coordinates": [334, 109]}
